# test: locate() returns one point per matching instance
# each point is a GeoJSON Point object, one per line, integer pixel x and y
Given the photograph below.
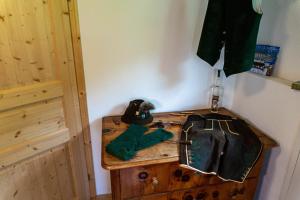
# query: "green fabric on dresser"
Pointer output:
{"type": "Point", "coordinates": [123, 146]}
{"type": "Point", "coordinates": [153, 138]}
{"type": "Point", "coordinates": [133, 139]}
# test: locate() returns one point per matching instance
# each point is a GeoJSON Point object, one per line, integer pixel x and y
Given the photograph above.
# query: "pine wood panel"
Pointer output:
{"type": "Point", "coordinates": [39, 178]}
{"type": "Point", "coordinates": [14, 97]}
{"type": "Point", "coordinates": [25, 49]}
{"type": "Point", "coordinates": [161, 153]}
{"type": "Point", "coordinates": [36, 48]}
{"type": "Point", "coordinates": [62, 167]}
{"type": "Point", "coordinates": [23, 150]}
{"type": "Point", "coordinates": [31, 129]}
{"type": "Point", "coordinates": [27, 122]}
{"type": "Point", "coordinates": [76, 38]}
{"type": "Point", "coordinates": [66, 72]}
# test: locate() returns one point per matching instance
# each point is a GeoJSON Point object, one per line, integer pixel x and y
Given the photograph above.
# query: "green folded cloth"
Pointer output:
{"type": "Point", "coordinates": [133, 139]}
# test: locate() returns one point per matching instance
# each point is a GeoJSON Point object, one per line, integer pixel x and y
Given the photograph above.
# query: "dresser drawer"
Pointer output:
{"type": "Point", "coordinates": [224, 191]}
{"type": "Point", "coordinates": [139, 181]}
{"type": "Point", "coordinates": [182, 178]}
{"type": "Point", "coordinates": [150, 179]}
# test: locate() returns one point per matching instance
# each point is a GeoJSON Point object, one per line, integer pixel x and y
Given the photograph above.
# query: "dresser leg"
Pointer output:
{"type": "Point", "coordinates": [115, 184]}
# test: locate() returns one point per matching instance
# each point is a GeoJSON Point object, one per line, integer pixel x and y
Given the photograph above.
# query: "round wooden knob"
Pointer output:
{"type": "Point", "coordinates": [178, 173]}
{"type": "Point", "coordinates": [185, 178]}
{"type": "Point", "coordinates": [143, 175]}
{"type": "Point", "coordinates": [188, 197]}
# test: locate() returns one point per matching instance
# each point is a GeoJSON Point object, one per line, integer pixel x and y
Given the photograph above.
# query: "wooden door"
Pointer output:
{"type": "Point", "coordinates": [41, 132]}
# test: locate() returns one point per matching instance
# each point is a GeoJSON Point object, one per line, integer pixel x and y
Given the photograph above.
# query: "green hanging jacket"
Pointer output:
{"type": "Point", "coordinates": [233, 24]}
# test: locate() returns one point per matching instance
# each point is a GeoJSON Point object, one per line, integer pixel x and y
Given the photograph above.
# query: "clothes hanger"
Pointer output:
{"type": "Point", "coordinates": [257, 6]}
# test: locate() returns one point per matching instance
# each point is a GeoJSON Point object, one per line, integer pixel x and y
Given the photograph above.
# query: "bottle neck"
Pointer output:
{"type": "Point", "coordinates": [218, 78]}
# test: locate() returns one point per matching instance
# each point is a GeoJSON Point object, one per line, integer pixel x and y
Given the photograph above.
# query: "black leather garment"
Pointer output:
{"type": "Point", "coordinates": [220, 145]}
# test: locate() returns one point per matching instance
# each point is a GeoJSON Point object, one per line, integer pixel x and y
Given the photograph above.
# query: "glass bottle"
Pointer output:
{"type": "Point", "coordinates": [217, 91]}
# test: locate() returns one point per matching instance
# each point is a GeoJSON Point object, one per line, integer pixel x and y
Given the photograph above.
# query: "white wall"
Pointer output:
{"type": "Point", "coordinates": [141, 49]}
{"type": "Point", "coordinates": [274, 108]}
{"type": "Point", "coordinates": [270, 104]}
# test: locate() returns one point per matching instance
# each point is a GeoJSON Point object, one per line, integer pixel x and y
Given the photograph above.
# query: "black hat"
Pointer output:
{"type": "Point", "coordinates": [138, 112]}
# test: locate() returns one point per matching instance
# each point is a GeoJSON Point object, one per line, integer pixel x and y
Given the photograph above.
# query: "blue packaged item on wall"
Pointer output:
{"type": "Point", "coordinates": [265, 59]}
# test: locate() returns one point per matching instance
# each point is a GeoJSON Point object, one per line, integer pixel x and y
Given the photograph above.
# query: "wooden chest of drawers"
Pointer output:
{"type": "Point", "coordinates": [155, 174]}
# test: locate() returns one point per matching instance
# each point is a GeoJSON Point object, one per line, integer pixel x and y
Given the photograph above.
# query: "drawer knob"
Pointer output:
{"type": "Point", "coordinates": [155, 181]}
{"type": "Point", "coordinates": [143, 175]}
{"type": "Point", "coordinates": [188, 197]}
{"type": "Point", "coordinates": [201, 196]}
{"type": "Point", "coordinates": [178, 173]}
{"type": "Point", "coordinates": [185, 178]}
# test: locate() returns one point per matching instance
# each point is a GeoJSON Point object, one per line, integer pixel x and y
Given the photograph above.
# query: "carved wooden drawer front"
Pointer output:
{"type": "Point", "coordinates": [224, 191]}
{"type": "Point", "coordinates": [181, 178]}
{"type": "Point", "coordinates": [145, 180]}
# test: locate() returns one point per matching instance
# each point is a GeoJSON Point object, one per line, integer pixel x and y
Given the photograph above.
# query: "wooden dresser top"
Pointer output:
{"type": "Point", "coordinates": [165, 152]}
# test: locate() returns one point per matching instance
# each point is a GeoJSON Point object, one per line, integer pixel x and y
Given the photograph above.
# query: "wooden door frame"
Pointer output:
{"type": "Point", "coordinates": [78, 62]}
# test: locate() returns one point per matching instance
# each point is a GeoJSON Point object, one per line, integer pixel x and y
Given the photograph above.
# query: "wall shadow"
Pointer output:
{"type": "Point", "coordinates": [270, 159]}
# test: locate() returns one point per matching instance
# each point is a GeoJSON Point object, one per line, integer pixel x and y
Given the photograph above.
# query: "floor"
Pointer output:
{"type": "Point", "coordinates": [104, 197]}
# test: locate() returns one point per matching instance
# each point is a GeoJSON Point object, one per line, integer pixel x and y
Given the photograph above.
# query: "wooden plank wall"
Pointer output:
{"type": "Point", "coordinates": [36, 51]}
{"type": "Point", "coordinates": [31, 121]}
{"type": "Point", "coordinates": [25, 44]}
{"type": "Point", "coordinates": [43, 177]}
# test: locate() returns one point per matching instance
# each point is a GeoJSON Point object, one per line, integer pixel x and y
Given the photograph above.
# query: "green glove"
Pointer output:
{"type": "Point", "coordinates": [153, 138]}
{"type": "Point", "coordinates": [123, 146]}
{"type": "Point", "coordinates": [133, 139]}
